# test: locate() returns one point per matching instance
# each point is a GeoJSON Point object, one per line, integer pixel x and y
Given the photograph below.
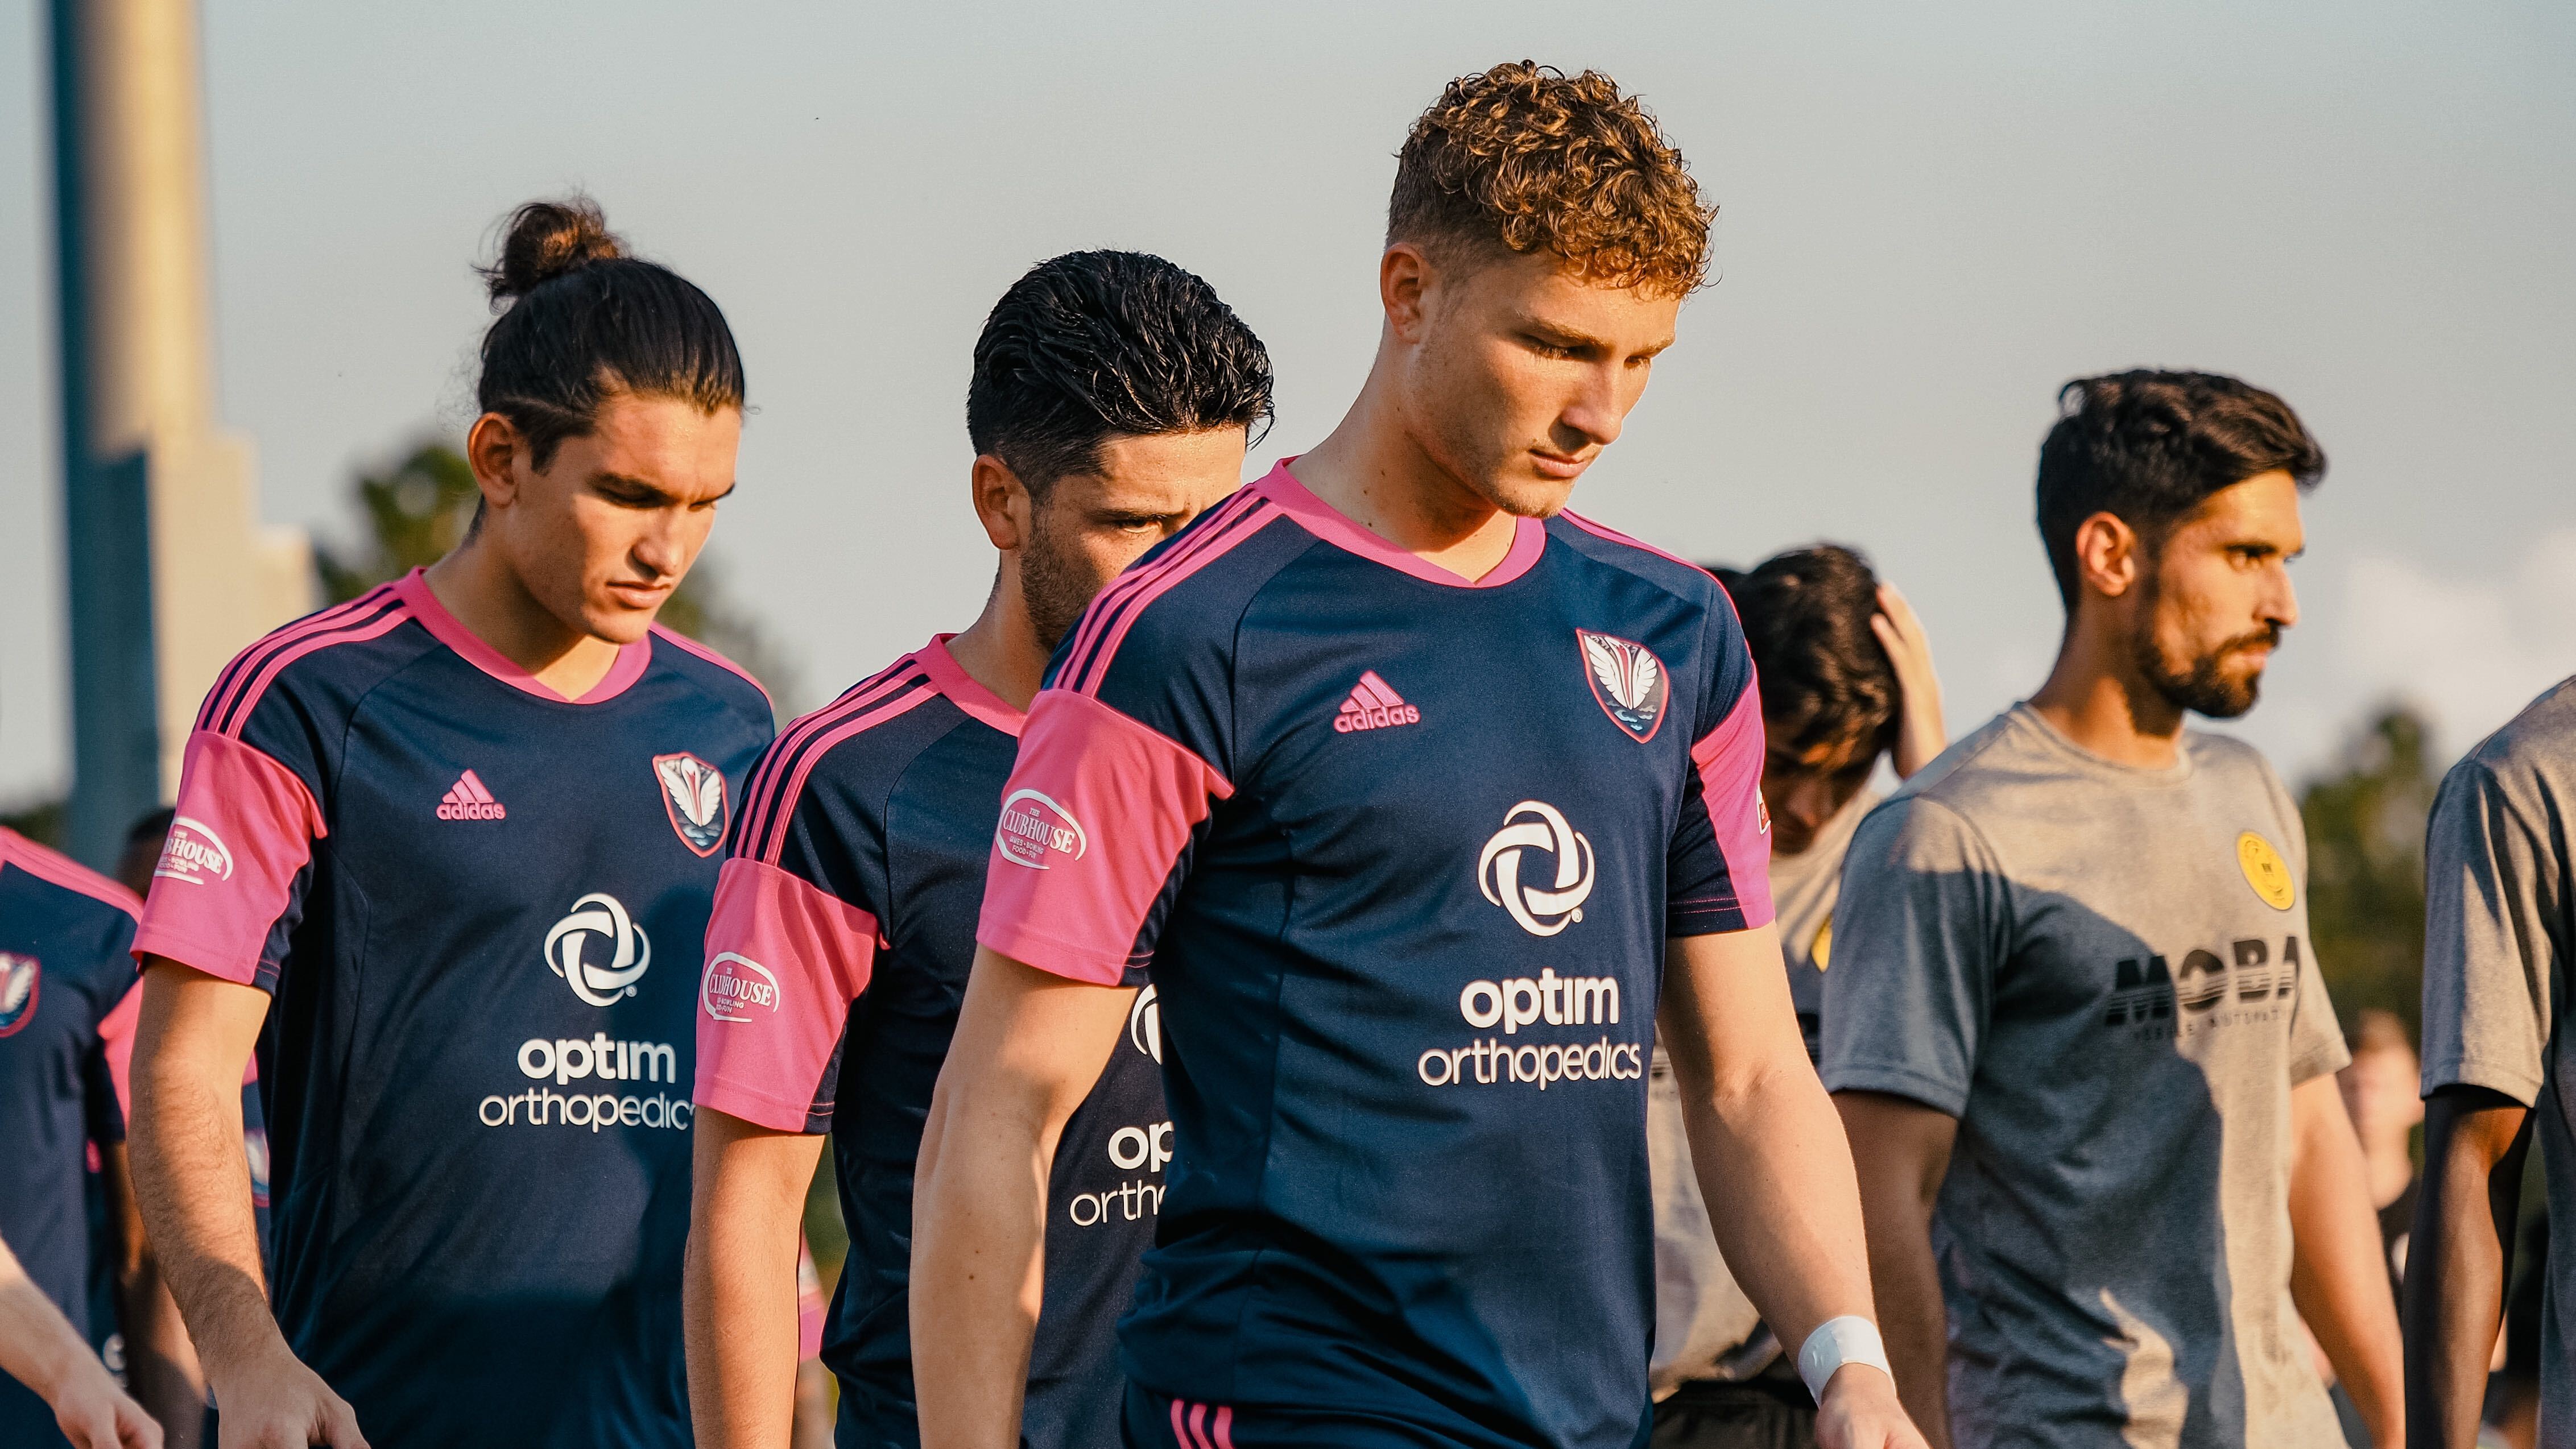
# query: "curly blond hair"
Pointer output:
{"type": "Point", "coordinates": [1528, 157]}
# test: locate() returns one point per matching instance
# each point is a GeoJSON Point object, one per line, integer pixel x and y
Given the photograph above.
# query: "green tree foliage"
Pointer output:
{"type": "Point", "coordinates": [420, 508]}
{"type": "Point", "coordinates": [2365, 822]}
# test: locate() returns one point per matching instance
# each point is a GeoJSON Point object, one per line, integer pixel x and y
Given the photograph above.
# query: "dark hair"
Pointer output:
{"type": "Point", "coordinates": [582, 320]}
{"type": "Point", "coordinates": [2149, 447]}
{"type": "Point", "coordinates": [1825, 677]}
{"type": "Point", "coordinates": [1526, 158]}
{"type": "Point", "coordinates": [1094, 345]}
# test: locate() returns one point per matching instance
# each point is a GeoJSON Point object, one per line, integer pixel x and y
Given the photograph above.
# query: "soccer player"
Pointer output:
{"type": "Point", "coordinates": [65, 966]}
{"type": "Point", "coordinates": [2499, 1060]}
{"type": "Point", "coordinates": [1111, 399]}
{"type": "Point", "coordinates": [1847, 680]}
{"type": "Point", "coordinates": [2074, 1021]}
{"type": "Point", "coordinates": [1414, 795]}
{"type": "Point", "coordinates": [465, 830]}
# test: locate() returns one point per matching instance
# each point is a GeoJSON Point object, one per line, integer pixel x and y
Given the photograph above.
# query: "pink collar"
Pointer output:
{"type": "Point", "coordinates": [448, 630]}
{"type": "Point", "coordinates": [1529, 536]}
{"type": "Point", "coordinates": [950, 678]}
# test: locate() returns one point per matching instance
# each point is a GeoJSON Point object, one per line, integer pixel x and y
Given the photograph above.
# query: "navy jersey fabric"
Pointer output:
{"type": "Point", "coordinates": [64, 966]}
{"type": "Point", "coordinates": [1401, 854]}
{"type": "Point", "coordinates": [843, 933]}
{"type": "Point", "coordinates": [479, 906]}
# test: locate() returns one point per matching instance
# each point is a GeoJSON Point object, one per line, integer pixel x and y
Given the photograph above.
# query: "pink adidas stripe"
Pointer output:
{"type": "Point", "coordinates": [391, 620]}
{"type": "Point", "coordinates": [226, 694]}
{"type": "Point", "coordinates": [473, 782]}
{"type": "Point", "coordinates": [1615, 536]}
{"type": "Point", "coordinates": [1376, 690]}
{"type": "Point", "coordinates": [678, 640]}
{"type": "Point", "coordinates": [760, 797]}
{"type": "Point", "coordinates": [1251, 522]}
{"type": "Point", "coordinates": [774, 841]}
{"type": "Point", "coordinates": [1098, 618]}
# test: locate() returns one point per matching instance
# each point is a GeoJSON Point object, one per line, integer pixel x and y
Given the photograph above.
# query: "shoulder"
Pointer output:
{"type": "Point", "coordinates": [2529, 751]}
{"type": "Point", "coordinates": [1183, 601]}
{"type": "Point", "coordinates": [1967, 774]}
{"type": "Point", "coordinates": [335, 654]}
{"type": "Point", "coordinates": [854, 748]}
{"type": "Point", "coordinates": [68, 879]}
{"type": "Point", "coordinates": [1674, 575]}
{"type": "Point", "coordinates": [711, 672]}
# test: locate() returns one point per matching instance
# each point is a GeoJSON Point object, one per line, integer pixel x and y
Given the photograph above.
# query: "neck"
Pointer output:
{"type": "Point", "coordinates": [1000, 649]}
{"type": "Point", "coordinates": [487, 596]}
{"type": "Point", "coordinates": [1374, 470]}
{"type": "Point", "coordinates": [2096, 697]}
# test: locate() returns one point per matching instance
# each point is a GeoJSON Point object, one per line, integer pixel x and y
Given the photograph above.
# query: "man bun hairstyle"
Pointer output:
{"type": "Point", "coordinates": [1090, 346]}
{"type": "Point", "coordinates": [2149, 447]}
{"type": "Point", "coordinates": [581, 319]}
{"type": "Point", "coordinates": [1529, 159]}
{"type": "Point", "coordinates": [1825, 677]}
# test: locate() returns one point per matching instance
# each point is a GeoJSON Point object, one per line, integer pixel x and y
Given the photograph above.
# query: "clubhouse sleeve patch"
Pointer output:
{"type": "Point", "coordinates": [244, 830]}
{"type": "Point", "coordinates": [784, 961]}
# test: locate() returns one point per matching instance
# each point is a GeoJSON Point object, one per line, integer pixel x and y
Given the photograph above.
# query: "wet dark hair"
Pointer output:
{"type": "Point", "coordinates": [2149, 447]}
{"type": "Point", "coordinates": [1825, 677]}
{"type": "Point", "coordinates": [580, 319]}
{"type": "Point", "coordinates": [1094, 345]}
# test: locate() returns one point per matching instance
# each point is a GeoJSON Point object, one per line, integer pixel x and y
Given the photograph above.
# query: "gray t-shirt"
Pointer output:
{"type": "Point", "coordinates": [2105, 974]}
{"type": "Point", "coordinates": [2499, 955]}
{"type": "Point", "coordinates": [1705, 1328]}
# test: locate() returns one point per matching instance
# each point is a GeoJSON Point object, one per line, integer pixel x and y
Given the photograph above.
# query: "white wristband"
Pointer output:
{"type": "Point", "coordinates": [1838, 1341]}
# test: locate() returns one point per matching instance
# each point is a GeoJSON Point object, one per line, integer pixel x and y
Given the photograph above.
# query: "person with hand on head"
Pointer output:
{"type": "Point", "coordinates": [2499, 1070]}
{"type": "Point", "coordinates": [1110, 403]}
{"type": "Point", "coordinates": [2074, 1021]}
{"type": "Point", "coordinates": [1847, 681]}
{"type": "Point", "coordinates": [66, 995]}
{"type": "Point", "coordinates": [1420, 801]}
{"type": "Point", "coordinates": [464, 830]}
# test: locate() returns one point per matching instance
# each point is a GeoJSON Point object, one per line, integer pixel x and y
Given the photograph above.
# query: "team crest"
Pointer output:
{"type": "Point", "coordinates": [693, 791]}
{"type": "Point", "coordinates": [1628, 680]}
{"type": "Point", "coordinates": [21, 980]}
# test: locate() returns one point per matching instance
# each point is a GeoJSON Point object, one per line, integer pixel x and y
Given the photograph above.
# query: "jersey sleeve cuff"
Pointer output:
{"type": "Point", "coordinates": [1717, 915]}
{"type": "Point", "coordinates": [1022, 943]}
{"type": "Point", "coordinates": [759, 1108]}
{"type": "Point", "coordinates": [156, 940]}
{"type": "Point", "coordinates": [2514, 1080]}
{"type": "Point", "coordinates": [1914, 1086]}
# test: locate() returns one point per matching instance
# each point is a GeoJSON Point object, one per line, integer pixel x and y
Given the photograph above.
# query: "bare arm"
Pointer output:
{"type": "Point", "coordinates": [1902, 1148]}
{"type": "Point", "coordinates": [2475, 1142]}
{"type": "Point", "coordinates": [189, 1174]}
{"type": "Point", "coordinates": [160, 1363]}
{"type": "Point", "coordinates": [1028, 1047]}
{"type": "Point", "coordinates": [1766, 1145]}
{"type": "Point", "coordinates": [1920, 733]}
{"type": "Point", "coordinates": [40, 1348]}
{"type": "Point", "coordinates": [746, 1201]}
{"type": "Point", "coordinates": [2337, 1277]}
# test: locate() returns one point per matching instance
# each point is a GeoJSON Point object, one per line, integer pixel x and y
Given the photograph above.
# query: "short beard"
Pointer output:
{"type": "Point", "coordinates": [1053, 585]}
{"type": "Point", "coordinates": [2203, 688]}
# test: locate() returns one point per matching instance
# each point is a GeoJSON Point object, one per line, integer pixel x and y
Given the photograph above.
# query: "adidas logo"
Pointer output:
{"type": "Point", "coordinates": [1374, 706]}
{"type": "Point", "coordinates": [468, 800]}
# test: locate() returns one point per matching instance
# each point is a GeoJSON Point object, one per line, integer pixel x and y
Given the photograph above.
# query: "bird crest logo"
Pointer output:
{"type": "Point", "coordinates": [693, 793]}
{"type": "Point", "coordinates": [21, 982]}
{"type": "Point", "coordinates": [1627, 679]}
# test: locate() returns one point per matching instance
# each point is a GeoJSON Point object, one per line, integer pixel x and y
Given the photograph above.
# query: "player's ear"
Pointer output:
{"type": "Point", "coordinates": [491, 450]}
{"type": "Point", "coordinates": [1404, 276]}
{"type": "Point", "coordinates": [1001, 502]}
{"type": "Point", "coordinates": [2109, 556]}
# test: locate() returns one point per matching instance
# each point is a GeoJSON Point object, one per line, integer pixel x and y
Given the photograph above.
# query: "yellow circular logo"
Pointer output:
{"type": "Point", "coordinates": [2265, 871]}
{"type": "Point", "coordinates": [1823, 950]}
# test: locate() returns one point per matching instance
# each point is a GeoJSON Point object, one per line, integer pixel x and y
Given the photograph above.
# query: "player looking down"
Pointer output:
{"type": "Point", "coordinates": [465, 831]}
{"type": "Point", "coordinates": [2074, 1019]}
{"type": "Point", "coordinates": [1414, 796]}
{"type": "Point", "coordinates": [1110, 403]}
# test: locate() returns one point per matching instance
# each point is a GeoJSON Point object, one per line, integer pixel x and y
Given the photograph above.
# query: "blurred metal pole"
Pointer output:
{"type": "Point", "coordinates": [116, 757]}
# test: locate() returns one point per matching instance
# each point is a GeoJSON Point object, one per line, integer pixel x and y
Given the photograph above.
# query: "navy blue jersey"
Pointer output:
{"type": "Point", "coordinates": [1401, 854]}
{"type": "Point", "coordinates": [479, 906]}
{"type": "Point", "coordinates": [64, 967]}
{"type": "Point", "coordinates": [844, 929]}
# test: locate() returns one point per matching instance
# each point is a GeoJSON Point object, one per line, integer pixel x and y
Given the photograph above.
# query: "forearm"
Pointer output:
{"type": "Point", "coordinates": [38, 1346]}
{"type": "Point", "coordinates": [2336, 1276]}
{"type": "Point", "coordinates": [161, 1366]}
{"type": "Point", "coordinates": [1772, 1150]}
{"type": "Point", "coordinates": [195, 1193]}
{"type": "Point", "coordinates": [2456, 1265]}
{"type": "Point", "coordinates": [978, 1245]}
{"type": "Point", "coordinates": [739, 1287]}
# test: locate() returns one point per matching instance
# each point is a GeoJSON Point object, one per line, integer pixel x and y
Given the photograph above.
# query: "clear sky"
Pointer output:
{"type": "Point", "coordinates": [1931, 216]}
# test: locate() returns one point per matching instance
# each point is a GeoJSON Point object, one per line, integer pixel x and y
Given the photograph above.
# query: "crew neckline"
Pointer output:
{"type": "Point", "coordinates": [951, 679]}
{"type": "Point", "coordinates": [1529, 536]}
{"type": "Point", "coordinates": [417, 596]}
{"type": "Point", "coordinates": [2173, 774]}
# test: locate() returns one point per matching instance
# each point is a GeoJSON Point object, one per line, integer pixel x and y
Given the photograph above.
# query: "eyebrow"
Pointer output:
{"type": "Point", "coordinates": [653, 490]}
{"type": "Point", "coordinates": [1571, 339]}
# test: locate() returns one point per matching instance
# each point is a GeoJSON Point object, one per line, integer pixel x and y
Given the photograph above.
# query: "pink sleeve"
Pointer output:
{"type": "Point", "coordinates": [784, 961]}
{"type": "Point", "coordinates": [116, 1034]}
{"type": "Point", "coordinates": [246, 825]}
{"type": "Point", "coordinates": [1729, 760]}
{"type": "Point", "coordinates": [1098, 811]}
